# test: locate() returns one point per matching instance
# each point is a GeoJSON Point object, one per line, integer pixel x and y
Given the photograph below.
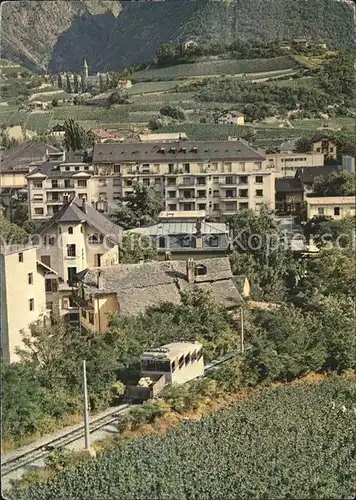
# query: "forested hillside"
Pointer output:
{"type": "Point", "coordinates": [113, 34]}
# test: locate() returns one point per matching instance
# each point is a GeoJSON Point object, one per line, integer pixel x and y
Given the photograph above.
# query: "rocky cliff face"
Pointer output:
{"type": "Point", "coordinates": [57, 35]}
{"type": "Point", "coordinates": [30, 30]}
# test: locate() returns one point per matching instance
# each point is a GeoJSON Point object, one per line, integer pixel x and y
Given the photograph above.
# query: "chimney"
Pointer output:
{"type": "Point", "coordinates": [190, 271]}
{"type": "Point", "coordinates": [99, 282]}
{"type": "Point", "coordinates": [198, 235]}
{"type": "Point", "coordinates": [84, 205]}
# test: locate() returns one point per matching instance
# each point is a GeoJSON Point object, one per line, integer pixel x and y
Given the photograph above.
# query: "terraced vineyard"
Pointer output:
{"type": "Point", "coordinates": [204, 131]}
{"type": "Point", "coordinates": [9, 115]}
{"type": "Point", "coordinates": [285, 442]}
{"type": "Point", "coordinates": [220, 67]}
{"type": "Point", "coordinates": [39, 122]}
{"type": "Point", "coordinates": [175, 97]}
{"type": "Point", "coordinates": [147, 87]}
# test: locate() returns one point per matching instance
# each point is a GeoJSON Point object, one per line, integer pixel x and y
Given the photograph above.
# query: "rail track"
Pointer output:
{"type": "Point", "coordinates": [18, 461]}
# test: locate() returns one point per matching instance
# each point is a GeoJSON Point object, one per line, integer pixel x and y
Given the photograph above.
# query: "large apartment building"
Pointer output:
{"type": "Point", "coordinates": [218, 177]}
{"type": "Point", "coordinates": [15, 165]}
{"type": "Point", "coordinates": [22, 295]}
{"type": "Point", "coordinates": [55, 182]}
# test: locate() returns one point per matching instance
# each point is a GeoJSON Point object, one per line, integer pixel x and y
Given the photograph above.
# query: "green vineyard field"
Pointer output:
{"type": "Point", "coordinates": [227, 67]}
{"type": "Point", "coordinates": [285, 442]}
{"type": "Point", "coordinates": [147, 87]}
{"type": "Point", "coordinates": [204, 131]}
{"type": "Point", "coordinates": [39, 122]}
{"type": "Point", "coordinates": [11, 116]}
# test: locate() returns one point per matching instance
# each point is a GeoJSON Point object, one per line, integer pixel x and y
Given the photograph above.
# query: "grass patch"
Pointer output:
{"type": "Point", "coordinates": [46, 97]}
{"type": "Point", "coordinates": [304, 81]}
{"type": "Point", "coordinates": [312, 62]}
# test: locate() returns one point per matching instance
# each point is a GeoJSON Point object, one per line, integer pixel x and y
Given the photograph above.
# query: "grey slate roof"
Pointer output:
{"type": "Point", "coordinates": [308, 174]}
{"type": "Point", "coordinates": [72, 212]}
{"type": "Point", "coordinates": [289, 185]}
{"type": "Point", "coordinates": [139, 286]}
{"type": "Point", "coordinates": [206, 150]}
{"type": "Point", "coordinates": [23, 154]}
{"type": "Point", "coordinates": [176, 232]}
{"type": "Point", "coordinates": [52, 168]}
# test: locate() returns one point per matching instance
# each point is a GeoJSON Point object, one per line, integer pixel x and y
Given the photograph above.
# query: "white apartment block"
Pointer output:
{"type": "Point", "coordinates": [22, 295]}
{"type": "Point", "coordinates": [56, 182]}
{"type": "Point", "coordinates": [336, 207]}
{"type": "Point", "coordinates": [285, 164]}
{"type": "Point", "coordinates": [218, 177]}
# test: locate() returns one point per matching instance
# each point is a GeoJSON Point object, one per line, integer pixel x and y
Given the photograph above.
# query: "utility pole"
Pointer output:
{"type": "Point", "coordinates": [242, 329]}
{"type": "Point", "coordinates": [86, 410]}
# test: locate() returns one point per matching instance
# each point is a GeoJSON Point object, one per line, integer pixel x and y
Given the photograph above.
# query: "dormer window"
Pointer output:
{"type": "Point", "coordinates": [200, 270]}
{"type": "Point", "coordinates": [214, 241]}
{"type": "Point", "coordinates": [195, 149]}
{"type": "Point", "coordinates": [186, 241]}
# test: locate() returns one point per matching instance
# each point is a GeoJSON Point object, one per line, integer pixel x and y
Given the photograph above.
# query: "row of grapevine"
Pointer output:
{"type": "Point", "coordinates": [286, 442]}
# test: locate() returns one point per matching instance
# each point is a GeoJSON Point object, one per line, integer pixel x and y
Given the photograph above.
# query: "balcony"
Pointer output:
{"type": "Point", "coordinates": [187, 182]}
{"type": "Point", "coordinates": [184, 199]}
{"type": "Point", "coordinates": [228, 198]}
{"type": "Point", "coordinates": [228, 182]}
{"type": "Point", "coordinates": [226, 211]}
{"type": "Point", "coordinates": [61, 187]}
{"type": "Point", "coordinates": [55, 202]}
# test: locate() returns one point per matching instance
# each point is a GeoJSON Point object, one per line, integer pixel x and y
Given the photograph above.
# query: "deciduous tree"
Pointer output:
{"type": "Point", "coordinates": [139, 209]}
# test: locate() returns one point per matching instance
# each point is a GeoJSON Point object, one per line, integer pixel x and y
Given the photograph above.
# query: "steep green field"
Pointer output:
{"type": "Point", "coordinates": [9, 115]}
{"type": "Point", "coordinates": [40, 122]}
{"type": "Point", "coordinates": [285, 442]}
{"type": "Point", "coordinates": [92, 113]}
{"type": "Point", "coordinates": [215, 67]}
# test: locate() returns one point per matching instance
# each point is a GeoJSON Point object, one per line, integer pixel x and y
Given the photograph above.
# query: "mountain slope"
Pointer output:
{"type": "Point", "coordinates": [113, 34]}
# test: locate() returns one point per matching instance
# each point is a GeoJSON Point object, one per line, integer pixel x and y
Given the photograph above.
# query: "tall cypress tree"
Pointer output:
{"type": "Point", "coordinates": [69, 86]}
{"type": "Point", "coordinates": [83, 84]}
{"type": "Point", "coordinates": [76, 84]}
{"type": "Point", "coordinates": [101, 83]}
{"type": "Point", "coordinates": [60, 82]}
